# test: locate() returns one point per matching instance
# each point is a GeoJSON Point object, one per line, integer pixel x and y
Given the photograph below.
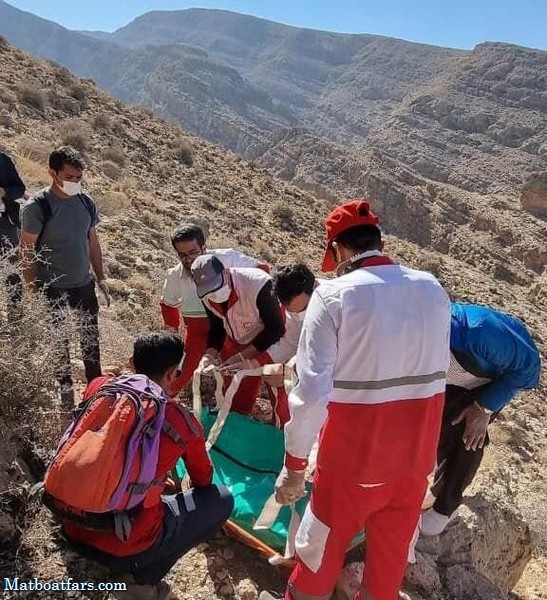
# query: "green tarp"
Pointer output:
{"type": "Point", "coordinates": [248, 456]}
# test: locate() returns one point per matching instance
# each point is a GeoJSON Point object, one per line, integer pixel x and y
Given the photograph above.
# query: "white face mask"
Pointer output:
{"type": "Point", "coordinates": [71, 188]}
{"type": "Point", "coordinates": [221, 295]}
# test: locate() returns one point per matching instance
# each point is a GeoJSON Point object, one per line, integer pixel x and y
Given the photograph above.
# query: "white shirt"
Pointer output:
{"type": "Point", "coordinates": [378, 334]}
{"type": "Point", "coordinates": [179, 289]}
{"type": "Point", "coordinates": [286, 347]}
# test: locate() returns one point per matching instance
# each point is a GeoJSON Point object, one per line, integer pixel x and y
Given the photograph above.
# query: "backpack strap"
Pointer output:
{"type": "Point", "coordinates": [189, 418]}
{"type": "Point", "coordinates": [169, 430]}
{"type": "Point", "coordinates": [43, 203]}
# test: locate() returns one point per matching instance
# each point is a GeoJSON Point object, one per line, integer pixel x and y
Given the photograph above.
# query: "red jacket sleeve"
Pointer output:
{"type": "Point", "coordinates": [195, 457]}
{"type": "Point", "coordinates": [171, 315]}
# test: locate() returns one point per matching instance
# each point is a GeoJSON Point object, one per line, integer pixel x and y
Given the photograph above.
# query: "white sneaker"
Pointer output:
{"type": "Point", "coordinates": [433, 523]}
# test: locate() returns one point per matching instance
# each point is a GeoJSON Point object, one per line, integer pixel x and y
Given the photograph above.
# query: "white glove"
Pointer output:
{"type": "Point", "coordinates": [290, 486]}
{"type": "Point", "coordinates": [103, 286]}
{"type": "Point", "coordinates": [211, 357]}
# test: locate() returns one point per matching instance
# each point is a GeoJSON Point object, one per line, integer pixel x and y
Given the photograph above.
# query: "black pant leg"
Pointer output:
{"type": "Point", "coordinates": [212, 506]}
{"type": "Point", "coordinates": [58, 301]}
{"type": "Point", "coordinates": [84, 300]}
{"type": "Point", "coordinates": [203, 511]}
{"type": "Point", "coordinates": [457, 466]}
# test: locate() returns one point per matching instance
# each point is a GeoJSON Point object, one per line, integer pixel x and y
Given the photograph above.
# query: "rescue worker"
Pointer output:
{"type": "Point", "coordinates": [293, 286]}
{"type": "Point", "coordinates": [244, 318]}
{"type": "Point", "coordinates": [167, 526]}
{"type": "Point", "coordinates": [492, 358]}
{"type": "Point", "coordinates": [371, 365]}
{"type": "Point", "coordinates": [179, 294]}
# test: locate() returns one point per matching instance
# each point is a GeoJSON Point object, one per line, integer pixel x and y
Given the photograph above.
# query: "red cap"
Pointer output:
{"type": "Point", "coordinates": [345, 216]}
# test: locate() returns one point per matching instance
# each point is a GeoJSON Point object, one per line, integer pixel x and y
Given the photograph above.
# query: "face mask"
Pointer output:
{"type": "Point", "coordinates": [71, 188]}
{"type": "Point", "coordinates": [221, 295]}
{"type": "Point", "coordinates": [299, 316]}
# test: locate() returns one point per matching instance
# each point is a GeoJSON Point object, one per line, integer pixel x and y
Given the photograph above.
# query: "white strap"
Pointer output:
{"type": "Point", "coordinates": [268, 514]}
{"type": "Point", "coordinates": [294, 524]}
{"type": "Point", "coordinates": [267, 518]}
{"type": "Point", "coordinates": [224, 402]}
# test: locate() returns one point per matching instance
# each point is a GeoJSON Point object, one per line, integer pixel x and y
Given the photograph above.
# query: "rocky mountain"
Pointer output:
{"type": "Point", "coordinates": [147, 175]}
{"type": "Point", "coordinates": [473, 119]}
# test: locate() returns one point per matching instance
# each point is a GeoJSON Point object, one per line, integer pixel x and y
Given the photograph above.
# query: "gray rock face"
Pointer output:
{"type": "Point", "coordinates": [533, 197]}
{"type": "Point", "coordinates": [472, 119]}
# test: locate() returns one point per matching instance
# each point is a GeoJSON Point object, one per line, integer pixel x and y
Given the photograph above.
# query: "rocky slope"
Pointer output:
{"type": "Point", "coordinates": [459, 117]}
{"type": "Point", "coordinates": [147, 175]}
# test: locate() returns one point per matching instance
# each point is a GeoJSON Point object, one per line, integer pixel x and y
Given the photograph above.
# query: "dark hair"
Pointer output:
{"type": "Point", "coordinates": [361, 237]}
{"type": "Point", "coordinates": [188, 232]}
{"type": "Point", "coordinates": [66, 155]}
{"type": "Point", "coordinates": [292, 280]}
{"type": "Point", "coordinates": [155, 352]}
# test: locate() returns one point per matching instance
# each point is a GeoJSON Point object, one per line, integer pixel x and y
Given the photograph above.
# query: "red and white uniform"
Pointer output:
{"type": "Point", "coordinates": [244, 325]}
{"type": "Point", "coordinates": [179, 295]}
{"type": "Point", "coordinates": [371, 366]}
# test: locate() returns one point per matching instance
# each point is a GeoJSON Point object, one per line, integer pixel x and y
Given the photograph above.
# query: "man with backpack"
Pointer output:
{"type": "Point", "coordinates": [108, 488]}
{"type": "Point", "coordinates": [59, 244]}
{"type": "Point", "coordinates": [11, 190]}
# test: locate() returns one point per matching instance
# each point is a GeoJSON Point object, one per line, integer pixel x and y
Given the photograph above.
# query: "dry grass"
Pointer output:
{"type": "Point", "coordinates": [111, 170]}
{"type": "Point", "coordinates": [76, 133]}
{"type": "Point", "coordinates": [32, 96]}
{"type": "Point", "coordinates": [113, 203]}
{"type": "Point", "coordinates": [183, 152]}
{"type": "Point", "coordinates": [34, 150]}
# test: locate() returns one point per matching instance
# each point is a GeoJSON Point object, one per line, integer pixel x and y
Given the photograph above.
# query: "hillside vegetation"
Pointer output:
{"type": "Point", "coordinates": [147, 175]}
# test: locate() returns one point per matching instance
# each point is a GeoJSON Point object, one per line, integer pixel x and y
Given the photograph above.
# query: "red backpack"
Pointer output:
{"type": "Point", "coordinates": [105, 465]}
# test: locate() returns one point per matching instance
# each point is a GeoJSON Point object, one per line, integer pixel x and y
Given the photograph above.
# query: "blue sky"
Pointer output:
{"type": "Point", "coordinates": [454, 23]}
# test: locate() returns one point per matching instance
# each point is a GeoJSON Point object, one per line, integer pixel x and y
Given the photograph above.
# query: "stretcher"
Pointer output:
{"type": "Point", "coordinates": [247, 456]}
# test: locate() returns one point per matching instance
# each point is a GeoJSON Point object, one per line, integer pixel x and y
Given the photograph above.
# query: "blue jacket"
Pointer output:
{"type": "Point", "coordinates": [495, 345]}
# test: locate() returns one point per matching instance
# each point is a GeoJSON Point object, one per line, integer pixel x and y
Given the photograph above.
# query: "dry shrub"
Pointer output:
{"type": "Point", "coordinates": [263, 250]}
{"type": "Point", "coordinates": [75, 133]}
{"type": "Point", "coordinates": [102, 122]}
{"type": "Point", "coordinates": [183, 152]}
{"type": "Point", "coordinates": [208, 203]}
{"type": "Point", "coordinates": [32, 95]}
{"type": "Point", "coordinates": [283, 215]}
{"type": "Point", "coordinates": [77, 91]}
{"type": "Point", "coordinates": [33, 150]}
{"type": "Point", "coordinates": [7, 121]}
{"type": "Point", "coordinates": [115, 154]}
{"type": "Point", "coordinates": [111, 170]}
{"type": "Point", "coordinates": [113, 203]}
{"type": "Point", "coordinates": [7, 98]}
{"type": "Point", "coordinates": [29, 347]}
{"type": "Point", "coordinates": [152, 220]}
{"type": "Point", "coordinates": [70, 106]}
